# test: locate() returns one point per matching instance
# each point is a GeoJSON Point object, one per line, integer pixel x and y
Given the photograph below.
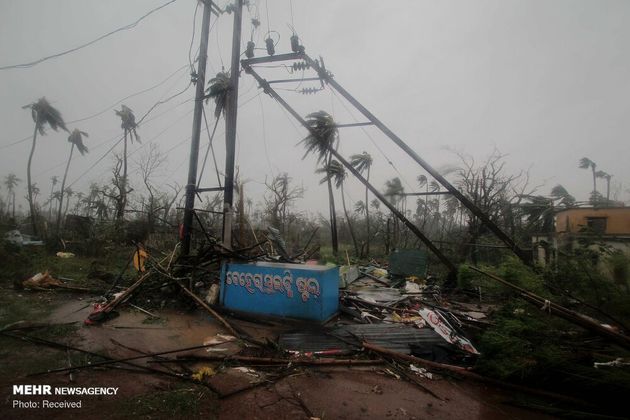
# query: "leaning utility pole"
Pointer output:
{"type": "Point", "coordinates": [230, 128]}
{"type": "Point", "coordinates": [191, 185]}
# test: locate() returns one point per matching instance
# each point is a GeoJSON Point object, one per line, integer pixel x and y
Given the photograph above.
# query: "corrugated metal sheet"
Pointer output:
{"type": "Point", "coordinates": [408, 262]}
{"type": "Point", "coordinates": [396, 337]}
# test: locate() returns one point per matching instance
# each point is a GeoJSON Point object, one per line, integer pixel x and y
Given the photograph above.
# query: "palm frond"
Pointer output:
{"type": "Point", "coordinates": [128, 122]}
{"type": "Point", "coordinates": [76, 138]}
{"type": "Point", "coordinates": [393, 188]}
{"type": "Point", "coordinates": [322, 135]}
{"type": "Point", "coordinates": [334, 171]}
{"type": "Point", "coordinates": [45, 114]}
{"type": "Point", "coordinates": [218, 89]}
{"type": "Point", "coordinates": [361, 162]}
{"type": "Point", "coordinates": [586, 163]}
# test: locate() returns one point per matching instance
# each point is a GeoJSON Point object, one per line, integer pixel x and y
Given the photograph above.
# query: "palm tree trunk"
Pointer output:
{"type": "Point", "coordinates": [594, 180]}
{"type": "Point", "coordinates": [65, 212]}
{"type": "Point", "coordinates": [333, 215]}
{"type": "Point", "coordinates": [63, 186]}
{"type": "Point", "coordinates": [426, 207]}
{"type": "Point", "coordinates": [367, 217]}
{"type": "Point", "coordinates": [607, 189]}
{"type": "Point", "coordinates": [50, 202]}
{"type": "Point", "coordinates": [123, 192]}
{"type": "Point", "coordinates": [29, 183]}
{"type": "Point", "coordinates": [350, 228]}
{"type": "Point", "coordinates": [13, 205]}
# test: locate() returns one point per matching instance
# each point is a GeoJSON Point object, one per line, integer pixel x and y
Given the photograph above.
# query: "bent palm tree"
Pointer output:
{"type": "Point", "coordinates": [335, 171]}
{"type": "Point", "coordinates": [586, 163]}
{"type": "Point", "coordinates": [359, 207]}
{"type": "Point", "coordinates": [394, 191]}
{"type": "Point", "coordinates": [128, 124]}
{"type": "Point", "coordinates": [76, 140]}
{"type": "Point", "coordinates": [11, 181]}
{"type": "Point", "coordinates": [607, 177]}
{"type": "Point", "coordinates": [363, 163]}
{"type": "Point", "coordinates": [560, 193]}
{"type": "Point", "coordinates": [43, 114]}
{"type": "Point", "coordinates": [321, 138]}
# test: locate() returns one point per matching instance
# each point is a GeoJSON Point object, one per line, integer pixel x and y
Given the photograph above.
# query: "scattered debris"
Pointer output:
{"type": "Point", "coordinates": [618, 362]}
{"type": "Point", "coordinates": [17, 238]}
{"type": "Point", "coordinates": [204, 372]}
{"type": "Point", "coordinates": [420, 371]}
{"type": "Point", "coordinates": [41, 281]}
{"type": "Point", "coordinates": [62, 254]}
{"type": "Point", "coordinates": [436, 321]}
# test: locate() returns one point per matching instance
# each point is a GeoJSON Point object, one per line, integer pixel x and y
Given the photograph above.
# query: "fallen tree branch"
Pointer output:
{"type": "Point", "coordinates": [125, 360]}
{"type": "Point", "coordinates": [210, 310]}
{"type": "Point", "coordinates": [274, 361]}
{"type": "Point", "coordinates": [564, 313]}
{"type": "Point", "coordinates": [465, 373]}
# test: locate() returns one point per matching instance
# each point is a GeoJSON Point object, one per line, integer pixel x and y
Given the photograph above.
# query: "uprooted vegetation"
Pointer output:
{"type": "Point", "coordinates": [530, 346]}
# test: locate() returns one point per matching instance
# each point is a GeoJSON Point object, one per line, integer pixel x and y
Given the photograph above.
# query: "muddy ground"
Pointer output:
{"type": "Point", "coordinates": [324, 392]}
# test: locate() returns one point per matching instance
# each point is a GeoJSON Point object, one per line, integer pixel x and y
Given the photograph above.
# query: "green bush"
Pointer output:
{"type": "Point", "coordinates": [523, 342]}
{"type": "Point", "coordinates": [511, 270]}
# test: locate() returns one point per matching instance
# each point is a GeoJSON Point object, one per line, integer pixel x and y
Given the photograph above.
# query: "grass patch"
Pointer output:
{"type": "Point", "coordinates": [180, 402]}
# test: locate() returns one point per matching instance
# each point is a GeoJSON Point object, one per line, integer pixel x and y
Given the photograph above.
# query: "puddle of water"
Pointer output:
{"type": "Point", "coordinates": [173, 330]}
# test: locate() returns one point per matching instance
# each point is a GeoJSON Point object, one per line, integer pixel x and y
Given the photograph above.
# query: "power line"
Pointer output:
{"type": "Point", "coordinates": [192, 39]}
{"type": "Point", "coordinates": [372, 140]}
{"type": "Point", "coordinates": [97, 162]}
{"type": "Point", "coordinates": [149, 141]}
{"type": "Point", "coordinates": [129, 97]}
{"type": "Point", "coordinates": [93, 148]}
{"type": "Point", "coordinates": [16, 142]}
{"type": "Point", "coordinates": [264, 133]}
{"type": "Point", "coordinates": [118, 142]}
{"type": "Point", "coordinates": [124, 28]}
{"type": "Point", "coordinates": [104, 110]}
{"type": "Point", "coordinates": [161, 102]}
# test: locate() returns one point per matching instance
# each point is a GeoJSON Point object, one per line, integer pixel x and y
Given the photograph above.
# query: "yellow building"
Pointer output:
{"type": "Point", "coordinates": [608, 222]}
{"type": "Point", "coordinates": [604, 225]}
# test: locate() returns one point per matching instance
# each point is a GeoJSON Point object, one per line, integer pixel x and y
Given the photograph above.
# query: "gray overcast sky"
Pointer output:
{"type": "Point", "coordinates": [545, 82]}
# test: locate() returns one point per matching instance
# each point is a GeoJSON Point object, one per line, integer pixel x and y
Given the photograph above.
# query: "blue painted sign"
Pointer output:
{"type": "Point", "coordinates": [285, 290]}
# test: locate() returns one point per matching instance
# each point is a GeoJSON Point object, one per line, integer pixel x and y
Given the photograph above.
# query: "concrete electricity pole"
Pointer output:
{"type": "Point", "coordinates": [230, 128]}
{"type": "Point", "coordinates": [191, 185]}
